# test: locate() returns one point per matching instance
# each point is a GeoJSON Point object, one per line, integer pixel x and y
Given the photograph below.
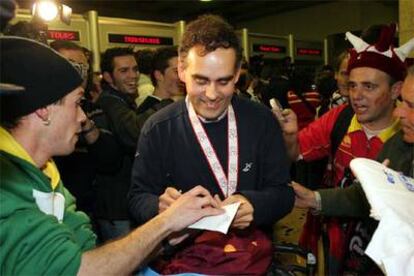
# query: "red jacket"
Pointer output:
{"type": "Point", "coordinates": [315, 143]}
{"type": "Point", "coordinates": [304, 112]}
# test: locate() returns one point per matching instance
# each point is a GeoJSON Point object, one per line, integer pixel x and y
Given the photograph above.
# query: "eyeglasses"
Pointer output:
{"type": "Point", "coordinates": [83, 69]}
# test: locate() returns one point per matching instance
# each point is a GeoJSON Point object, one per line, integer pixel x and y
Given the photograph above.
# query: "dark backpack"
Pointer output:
{"type": "Point", "coordinates": [340, 128]}
{"type": "Point", "coordinates": [312, 173]}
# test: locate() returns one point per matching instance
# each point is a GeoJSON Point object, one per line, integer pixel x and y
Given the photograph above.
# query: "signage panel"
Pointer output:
{"type": "Point", "coordinates": [63, 35]}
{"type": "Point", "coordinates": [308, 52]}
{"type": "Point", "coordinates": [137, 39]}
{"type": "Point", "coordinates": [269, 48]}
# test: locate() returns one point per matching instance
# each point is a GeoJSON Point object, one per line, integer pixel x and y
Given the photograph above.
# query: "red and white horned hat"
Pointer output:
{"type": "Point", "coordinates": [381, 55]}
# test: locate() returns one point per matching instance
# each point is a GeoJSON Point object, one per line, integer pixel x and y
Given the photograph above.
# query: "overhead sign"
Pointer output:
{"type": "Point", "coordinates": [137, 39]}
{"type": "Point", "coordinates": [269, 48]}
{"type": "Point", "coordinates": [308, 52]}
{"type": "Point", "coordinates": [63, 35]}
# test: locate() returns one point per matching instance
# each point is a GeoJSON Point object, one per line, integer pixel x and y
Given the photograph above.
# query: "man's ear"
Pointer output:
{"type": "Point", "coordinates": [181, 68]}
{"type": "Point", "coordinates": [237, 75]}
{"type": "Point", "coordinates": [44, 114]}
{"type": "Point", "coordinates": [107, 77]}
{"type": "Point", "coordinates": [158, 75]}
{"type": "Point", "coordinates": [396, 90]}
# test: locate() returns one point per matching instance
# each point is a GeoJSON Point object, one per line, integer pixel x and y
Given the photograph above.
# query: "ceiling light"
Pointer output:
{"type": "Point", "coordinates": [46, 10]}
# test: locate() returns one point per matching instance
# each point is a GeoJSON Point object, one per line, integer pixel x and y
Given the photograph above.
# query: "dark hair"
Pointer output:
{"type": "Point", "coordinates": [107, 58]}
{"type": "Point", "coordinates": [63, 44]}
{"type": "Point", "coordinates": [244, 80]}
{"type": "Point", "coordinates": [160, 60]}
{"type": "Point", "coordinates": [9, 123]}
{"type": "Point", "coordinates": [256, 63]}
{"type": "Point", "coordinates": [325, 84]}
{"type": "Point", "coordinates": [144, 59]}
{"type": "Point", "coordinates": [33, 30]}
{"type": "Point", "coordinates": [211, 32]}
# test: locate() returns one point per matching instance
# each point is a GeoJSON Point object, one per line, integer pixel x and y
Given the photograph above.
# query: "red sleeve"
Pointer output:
{"type": "Point", "coordinates": [315, 139]}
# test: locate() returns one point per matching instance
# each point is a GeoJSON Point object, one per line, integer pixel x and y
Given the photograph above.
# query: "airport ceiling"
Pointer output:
{"type": "Point", "coordinates": [172, 11]}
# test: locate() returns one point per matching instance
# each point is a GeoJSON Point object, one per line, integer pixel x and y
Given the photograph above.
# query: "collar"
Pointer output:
{"type": "Point", "coordinates": [204, 120]}
{"type": "Point", "coordinates": [384, 135]}
{"type": "Point", "coordinates": [122, 96]}
{"type": "Point", "coordinates": [155, 97]}
{"type": "Point", "coordinates": [11, 146]}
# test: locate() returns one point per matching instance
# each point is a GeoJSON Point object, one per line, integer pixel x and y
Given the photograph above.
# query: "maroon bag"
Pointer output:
{"type": "Point", "coordinates": [247, 252]}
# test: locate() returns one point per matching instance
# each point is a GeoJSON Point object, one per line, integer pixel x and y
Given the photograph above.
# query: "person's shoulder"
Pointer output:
{"type": "Point", "coordinates": [14, 168]}
{"type": "Point", "coordinates": [166, 115]}
{"type": "Point", "coordinates": [105, 98]}
{"type": "Point", "coordinates": [14, 186]}
{"type": "Point", "coordinates": [8, 164]}
{"type": "Point", "coordinates": [395, 143]}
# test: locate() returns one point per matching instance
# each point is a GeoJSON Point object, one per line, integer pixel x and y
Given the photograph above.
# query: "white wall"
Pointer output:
{"type": "Point", "coordinates": [315, 23]}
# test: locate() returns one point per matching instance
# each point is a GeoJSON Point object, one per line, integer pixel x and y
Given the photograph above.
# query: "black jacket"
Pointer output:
{"type": "Point", "coordinates": [125, 124]}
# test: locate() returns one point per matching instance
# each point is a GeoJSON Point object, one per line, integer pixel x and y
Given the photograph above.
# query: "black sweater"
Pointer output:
{"type": "Point", "coordinates": [168, 154]}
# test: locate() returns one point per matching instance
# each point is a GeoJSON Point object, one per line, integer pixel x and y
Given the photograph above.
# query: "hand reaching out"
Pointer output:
{"type": "Point", "coordinates": [287, 120]}
{"type": "Point", "coordinates": [304, 198]}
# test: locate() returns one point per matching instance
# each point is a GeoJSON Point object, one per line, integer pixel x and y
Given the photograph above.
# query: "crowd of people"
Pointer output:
{"type": "Point", "coordinates": [166, 137]}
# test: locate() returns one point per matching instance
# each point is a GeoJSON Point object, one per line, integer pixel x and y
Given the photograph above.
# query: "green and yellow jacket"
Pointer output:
{"type": "Point", "coordinates": [41, 233]}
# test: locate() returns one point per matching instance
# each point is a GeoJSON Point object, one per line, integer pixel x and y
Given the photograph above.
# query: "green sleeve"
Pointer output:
{"type": "Point", "coordinates": [347, 202]}
{"type": "Point", "coordinates": [79, 223]}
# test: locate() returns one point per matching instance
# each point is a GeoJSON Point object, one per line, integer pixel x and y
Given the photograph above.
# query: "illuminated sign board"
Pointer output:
{"type": "Point", "coordinates": [308, 52]}
{"type": "Point", "coordinates": [138, 39]}
{"type": "Point", "coordinates": [269, 48]}
{"type": "Point", "coordinates": [63, 35]}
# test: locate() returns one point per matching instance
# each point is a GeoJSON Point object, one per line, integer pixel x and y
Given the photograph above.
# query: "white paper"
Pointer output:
{"type": "Point", "coordinates": [392, 246]}
{"type": "Point", "coordinates": [384, 188]}
{"type": "Point", "coordinates": [391, 196]}
{"type": "Point", "coordinates": [219, 223]}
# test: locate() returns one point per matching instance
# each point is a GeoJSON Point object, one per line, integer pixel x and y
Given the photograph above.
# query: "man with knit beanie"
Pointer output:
{"type": "Point", "coordinates": [375, 78]}
{"type": "Point", "coordinates": [41, 231]}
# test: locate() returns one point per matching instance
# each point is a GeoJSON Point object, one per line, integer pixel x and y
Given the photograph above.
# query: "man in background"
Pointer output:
{"type": "Point", "coordinates": [164, 75]}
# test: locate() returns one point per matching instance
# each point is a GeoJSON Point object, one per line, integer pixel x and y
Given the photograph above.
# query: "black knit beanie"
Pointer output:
{"type": "Point", "coordinates": [45, 75]}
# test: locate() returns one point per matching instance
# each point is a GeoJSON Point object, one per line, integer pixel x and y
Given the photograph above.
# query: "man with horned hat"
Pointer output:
{"type": "Point", "coordinates": [399, 153]}
{"type": "Point", "coordinates": [375, 78]}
